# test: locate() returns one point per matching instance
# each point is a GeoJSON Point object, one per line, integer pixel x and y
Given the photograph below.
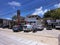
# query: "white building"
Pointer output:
{"type": "Point", "coordinates": [33, 19]}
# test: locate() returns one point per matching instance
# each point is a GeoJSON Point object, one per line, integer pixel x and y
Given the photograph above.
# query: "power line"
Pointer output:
{"type": "Point", "coordinates": [51, 4]}
{"type": "Point", "coordinates": [7, 13]}
{"type": "Point", "coordinates": [28, 9]}
{"type": "Point", "coordinates": [43, 6]}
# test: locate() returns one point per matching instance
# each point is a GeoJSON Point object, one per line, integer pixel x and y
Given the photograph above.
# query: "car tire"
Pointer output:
{"type": "Point", "coordinates": [57, 28]}
{"type": "Point", "coordinates": [25, 31]}
{"type": "Point", "coordinates": [34, 31]}
{"type": "Point", "coordinates": [15, 31]}
{"type": "Point", "coordinates": [41, 29]}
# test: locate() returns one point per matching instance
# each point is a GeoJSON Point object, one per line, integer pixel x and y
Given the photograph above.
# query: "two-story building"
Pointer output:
{"type": "Point", "coordinates": [33, 19]}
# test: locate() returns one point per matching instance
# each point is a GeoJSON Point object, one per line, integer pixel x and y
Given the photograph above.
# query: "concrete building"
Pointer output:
{"type": "Point", "coordinates": [33, 19]}
{"type": "Point", "coordinates": [6, 22]}
{"type": "Point", "coordinates": [22, 20]}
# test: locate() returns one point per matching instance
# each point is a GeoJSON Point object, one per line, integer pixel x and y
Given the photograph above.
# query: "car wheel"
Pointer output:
{"type": "Point", "coordinates": [57, 28]}
{"type": "Point", "coordinates": [40, 30]}
{"type": "Point", "coordinates": [15, 31]}
{"type": "Point", "coordinates": [24, 31]}
{"type": "Point", "coordinates": [34, 31]}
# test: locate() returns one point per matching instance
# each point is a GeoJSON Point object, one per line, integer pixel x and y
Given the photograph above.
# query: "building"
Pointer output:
{"type": "Point", "coordinates": [6, 22]}
{"type": "Point", "coordinates": [33, 19]}
{"type": "Point", "coordinates": [22, 20]}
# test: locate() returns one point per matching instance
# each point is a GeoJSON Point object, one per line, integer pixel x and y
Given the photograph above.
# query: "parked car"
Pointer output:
{"type": "Point", "coordinates": [1, 25]}
{"type": "Point", "coordinates": [17, 28]}
{"type": "Point", "coordinates": [39, 27]}
{"type": "Point", "coordinates": [49, 27]}
{"type": "Point", "coordinates": [10, 27]}
{"type": "Point", "coordinates": [32, 28]}
{"type": "Point", "coordinates": [57, 26]}
{"type": "Point", "coordinates": [27, 28]}
{"type": "Point", "coordinates": [5, 26]}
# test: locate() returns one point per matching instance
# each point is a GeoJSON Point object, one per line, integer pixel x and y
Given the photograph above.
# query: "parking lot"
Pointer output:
{"type": "Point", "coordinates": [49, 37]}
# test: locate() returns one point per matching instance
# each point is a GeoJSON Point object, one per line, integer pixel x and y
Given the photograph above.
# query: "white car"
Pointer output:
{"type": "Point", "coordinates": [27, 28]}
{"type": "Point", "coordinates": [39, 27]}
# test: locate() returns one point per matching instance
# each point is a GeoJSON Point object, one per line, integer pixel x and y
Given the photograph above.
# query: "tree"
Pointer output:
{"type": "Point", "coordinates": [54, 14]}
{"type": "Point", "coordinates": [14, 17]}
{"type": "Point", "coordinates": [47, 15]}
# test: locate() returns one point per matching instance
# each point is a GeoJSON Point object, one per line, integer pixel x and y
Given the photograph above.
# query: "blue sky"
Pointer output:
{"type": "Point", "coordinates": [8, 8]}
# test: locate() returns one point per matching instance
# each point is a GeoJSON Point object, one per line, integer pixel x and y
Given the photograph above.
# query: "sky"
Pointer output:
{"type": "Point", "coordinates": [8, 8]}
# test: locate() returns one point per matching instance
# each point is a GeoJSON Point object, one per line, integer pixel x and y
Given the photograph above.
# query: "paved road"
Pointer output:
{"type": "Point", "coordinates": [7, 37]}
{"type": "Point", "coordinates": [6, 40]}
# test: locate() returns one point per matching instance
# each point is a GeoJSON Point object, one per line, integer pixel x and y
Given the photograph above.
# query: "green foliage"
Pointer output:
{"type": "Point", "coordinates": [54, 14]}
{"type": "Point", "coordinates": [47, 15]}
{"type": "Point", "coordinates": [14, 17]}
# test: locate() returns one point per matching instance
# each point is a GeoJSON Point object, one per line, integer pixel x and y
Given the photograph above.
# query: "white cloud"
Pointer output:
{"type": "Point", "coordinates": [39, 11]}
{"type": "Point", "coordinates": [57, 5]}
{"type": "Point", "coordinates": [9, 18]}
{"type": "Point", "coordinates": [14, 3]}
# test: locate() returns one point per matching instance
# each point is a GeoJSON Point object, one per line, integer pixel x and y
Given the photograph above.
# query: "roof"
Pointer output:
{"type": "Point", "coordinates": [33, 16]}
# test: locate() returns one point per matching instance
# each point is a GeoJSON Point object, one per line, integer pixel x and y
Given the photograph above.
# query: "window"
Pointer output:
{"type": "Point", "coordinates": [32, 22]}
{"type": "Point", "coordinates": [37, 18]}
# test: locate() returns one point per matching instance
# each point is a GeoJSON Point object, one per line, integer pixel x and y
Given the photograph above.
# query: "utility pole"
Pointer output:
{"type": "Point", "coordinates": [18, 17]}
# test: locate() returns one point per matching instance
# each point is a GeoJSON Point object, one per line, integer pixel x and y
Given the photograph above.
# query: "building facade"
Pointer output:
{"type": "Point", "coordinates": [7, 22]}
{"type": "Point", "coordinates": [33, 19]}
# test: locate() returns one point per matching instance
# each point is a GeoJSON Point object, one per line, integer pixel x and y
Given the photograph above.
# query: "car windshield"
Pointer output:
{"type": "Point", "coordinates": [15, 26]}
{"type": "Point", "coordinates": [39, 25]}
{"type": "Point", "coordinates": [58, 24]}
{"type": "Point", "coordinates": [28, 26]}
{"type": "Point", "coordinates": [25, 26]}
